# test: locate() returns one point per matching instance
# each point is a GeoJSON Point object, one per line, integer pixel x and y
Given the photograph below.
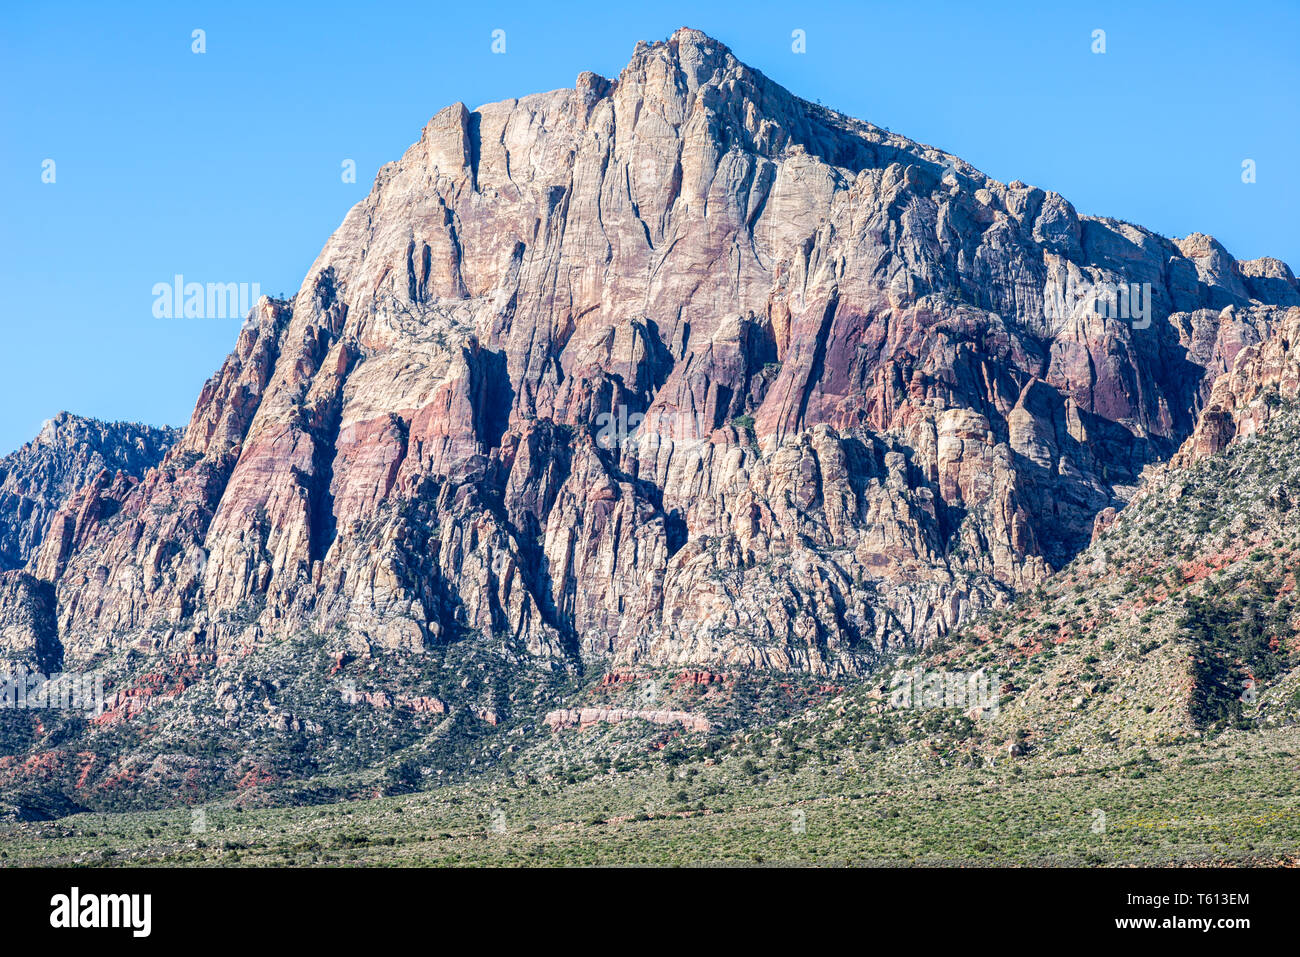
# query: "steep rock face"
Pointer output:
{"type": "Point", "coordinates": [1244, 399]}
{"type": "Point", "coordinates": [28, 632]}
{"type": "Point", "coordinates": [677, 368]}
{"type": "Point", "coordinates": [70, 451]}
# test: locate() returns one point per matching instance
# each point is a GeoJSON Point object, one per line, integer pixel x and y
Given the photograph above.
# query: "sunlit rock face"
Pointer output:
{"type": "Point", "coordinates": [673, 368]}
{"type": "Point", "coordinates": [70, 452]}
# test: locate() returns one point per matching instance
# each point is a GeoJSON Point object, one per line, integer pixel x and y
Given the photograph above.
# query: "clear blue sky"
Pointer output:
{"type": "Point", "coordinates": [225, 166]}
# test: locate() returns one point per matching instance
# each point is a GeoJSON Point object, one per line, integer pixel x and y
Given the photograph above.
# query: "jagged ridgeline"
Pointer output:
{"type": "Point", "coordinates": [858, 429]}
{"type": "Point", "coordinates": [673, 370]}
{"type": "Point", "coordinates": [70, 452]}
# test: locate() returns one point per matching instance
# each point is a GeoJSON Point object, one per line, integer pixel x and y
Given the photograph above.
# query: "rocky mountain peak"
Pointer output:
{"type": "Point", "coordinates": [676, 368]}
{"type": "Point", "coordinates": [673, 380]}
{"type": "Point", "coordinates": [68, 453]}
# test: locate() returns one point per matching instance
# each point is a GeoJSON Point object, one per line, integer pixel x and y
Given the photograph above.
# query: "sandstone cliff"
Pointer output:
{"type": "Point", "coordinates": [70, 451]}
{"type": "Point", "coordinates": [1243, 401]}
{"type": "Point", "coordinates": [675, 368]}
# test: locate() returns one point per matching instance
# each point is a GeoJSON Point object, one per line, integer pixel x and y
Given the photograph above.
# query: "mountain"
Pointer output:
{"type": "Point", "coordinates": [70, 452]}
{"type": "Point", "coordinates": [1176, 631]}
{"type": "Point", "coordinates": [674, 372]}
{"type": "Point", "coordinates": [409, 447]}
{"type": "Point", "coordinates": [1126, 732]}
{"type": "Point", "coordinates": [36, 481]}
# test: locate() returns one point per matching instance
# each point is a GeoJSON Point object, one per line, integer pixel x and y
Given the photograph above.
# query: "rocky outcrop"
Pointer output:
{"type": "Point", "coordinates": [586, 717]}
{"type": "Point", "coordinates": [422, 704]}
{"type": "Point", "coordinates": [69, 453]}
{"type": "Point", "coordinates": [28, 634]}
{"type": "Point", "coordinates": [1244, 399]}
{"type": "Point", "coordinates": [674, 368]}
